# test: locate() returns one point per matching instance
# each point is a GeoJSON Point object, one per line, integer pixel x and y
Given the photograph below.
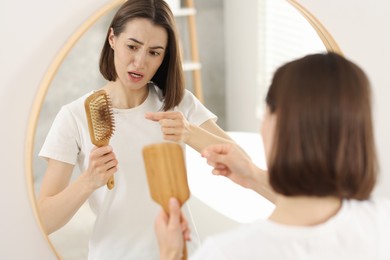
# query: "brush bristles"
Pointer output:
{"type": "Point", "coordinates": [102, 117]}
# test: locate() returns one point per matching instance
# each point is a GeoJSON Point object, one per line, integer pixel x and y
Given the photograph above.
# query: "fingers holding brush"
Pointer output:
{"type": "Point", "coordinates": [177, 219]}
{"type": "Point", "coordinates": [102, 165]}
{"type": "Point", "coordinates": [172, 230]}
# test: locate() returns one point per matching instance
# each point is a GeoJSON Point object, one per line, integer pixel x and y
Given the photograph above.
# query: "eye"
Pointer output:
{"type": "Point", "coordinates": [154, 53]}
{"type": "Point", "coordinates": [132, 47]}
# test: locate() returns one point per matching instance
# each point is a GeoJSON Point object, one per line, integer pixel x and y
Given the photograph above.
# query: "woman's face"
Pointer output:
{"type": "Point", "coordinates": [267, 132]}
{"type": "Point", "coordinates": [138, 52]}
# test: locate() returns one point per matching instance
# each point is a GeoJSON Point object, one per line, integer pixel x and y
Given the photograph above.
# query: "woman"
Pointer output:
{"type": "Point", "coordinates": [322, 166]}
{"type": "Point", "coordinates": [141, 62]}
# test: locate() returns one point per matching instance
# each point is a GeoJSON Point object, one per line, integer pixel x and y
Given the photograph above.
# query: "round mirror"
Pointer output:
{"type": "Point", "coordinates": [237, 65]}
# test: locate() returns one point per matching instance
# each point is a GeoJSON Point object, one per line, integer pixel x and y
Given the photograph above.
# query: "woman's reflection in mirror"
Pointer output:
{"type": "Point", "coordinates": [141, 62]}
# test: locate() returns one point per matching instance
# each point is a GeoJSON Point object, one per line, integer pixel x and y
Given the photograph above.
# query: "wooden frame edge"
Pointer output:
{"type": "Point", "coordinates": [38, 102]}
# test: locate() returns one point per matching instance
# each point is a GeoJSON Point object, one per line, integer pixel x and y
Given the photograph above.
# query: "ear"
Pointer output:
{"type": "Point", "coordinates": [111, 37]}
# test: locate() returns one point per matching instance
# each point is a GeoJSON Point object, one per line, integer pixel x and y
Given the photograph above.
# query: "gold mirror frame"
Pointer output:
{"type": "Point", "coordinates": [327, 39]}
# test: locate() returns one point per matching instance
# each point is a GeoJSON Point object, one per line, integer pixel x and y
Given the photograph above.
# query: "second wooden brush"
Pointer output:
{"type": "Point", "coordinates": [167, 175]}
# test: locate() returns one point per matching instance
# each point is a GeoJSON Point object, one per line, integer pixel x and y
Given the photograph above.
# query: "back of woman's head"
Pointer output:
{"type": "Point", "coordinates": [169, 77]}
{"type": "Point", "coordinates": [324, 143]}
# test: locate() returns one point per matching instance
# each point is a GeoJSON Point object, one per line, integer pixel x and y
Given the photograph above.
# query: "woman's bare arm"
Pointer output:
{"type": "Point", "coordinates": [59, 199]}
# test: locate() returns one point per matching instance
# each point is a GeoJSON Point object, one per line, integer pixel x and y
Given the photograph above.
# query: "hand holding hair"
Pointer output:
{"type": "Point", "coordinates": [230, 161]}
{"type": "Point", "coordinates": [173, 124]}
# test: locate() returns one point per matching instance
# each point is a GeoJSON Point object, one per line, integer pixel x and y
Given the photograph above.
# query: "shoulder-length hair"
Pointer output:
{"type": "Point", "coordinates": [324, 141]}
{"type": "Point", "coordinates": [169, 76]}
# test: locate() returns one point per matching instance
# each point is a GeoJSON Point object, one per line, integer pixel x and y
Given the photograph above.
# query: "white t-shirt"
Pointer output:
{"type": "Point", "coordinates": [124, 227]}
{"type": "Point", "coordinates": [359, 231]}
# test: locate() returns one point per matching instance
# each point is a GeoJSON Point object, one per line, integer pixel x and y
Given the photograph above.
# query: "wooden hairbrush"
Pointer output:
{"type": "Point", "coordinates": [100, 121]}
{"type": "Point", "coordinates": [166, 174]}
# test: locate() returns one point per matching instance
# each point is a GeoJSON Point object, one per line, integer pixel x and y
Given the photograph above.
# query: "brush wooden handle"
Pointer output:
{"type": "Point", "coordinates": [110, 183]}
{"type": "Point", "coordinates": [166, 174]}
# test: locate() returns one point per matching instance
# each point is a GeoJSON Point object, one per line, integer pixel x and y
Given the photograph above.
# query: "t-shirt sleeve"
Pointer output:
{"type": "Point", "coordinates": [195, 112]}
{"type": "Point", "coordinates": [61, 143]}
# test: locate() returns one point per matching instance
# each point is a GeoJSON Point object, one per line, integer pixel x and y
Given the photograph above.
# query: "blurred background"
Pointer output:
{"type": "Point", "coordinates": [35, 32]}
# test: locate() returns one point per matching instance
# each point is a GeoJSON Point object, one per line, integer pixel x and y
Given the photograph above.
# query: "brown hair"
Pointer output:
{"type": "Point", "coordinates": [324, 143]}
{"type": "Point", "coordinates": [169, 76]}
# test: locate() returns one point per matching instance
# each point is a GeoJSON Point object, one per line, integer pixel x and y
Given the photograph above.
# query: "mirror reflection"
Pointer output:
{"type": "Point", "coordinates": [281, 34]}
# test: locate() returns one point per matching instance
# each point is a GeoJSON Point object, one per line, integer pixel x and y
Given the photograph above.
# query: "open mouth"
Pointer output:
{"type": "Point", "coordinates": [135, 75]}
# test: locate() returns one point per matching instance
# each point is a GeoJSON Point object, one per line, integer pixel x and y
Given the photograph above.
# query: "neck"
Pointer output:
{"type": "Point", "coordinates": [125, 98]}
{"type": "Point", "coordinates": [304, 211]}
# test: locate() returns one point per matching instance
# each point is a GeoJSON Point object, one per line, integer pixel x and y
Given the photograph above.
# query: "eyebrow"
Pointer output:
{"type": "Point", "coordinates": [154, 47]}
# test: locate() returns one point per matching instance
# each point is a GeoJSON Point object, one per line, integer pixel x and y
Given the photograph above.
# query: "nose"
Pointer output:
{"type": "Point", "coordinates": [139, 59]}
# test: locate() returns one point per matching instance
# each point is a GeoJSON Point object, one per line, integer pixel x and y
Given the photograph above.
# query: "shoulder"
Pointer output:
{"type": "Point", "coordinates": [375, 203]}
{"type": "Point", "coordinates": [373, 210]}
{"type": "Point", "coordinates": [76, 107]}
{"type": "Point", "coordinates": [189, 102]}
{"type": "Point", "coordinates": [189, 96]}
{"type": "Point", "coordinates": [78, 103]}
{"type": "Point", "coordinates": [72, 113]}
{"type": "Point", "coordinates": [368, 219]}
{"type": "Point", "coordinates": [195, 112]}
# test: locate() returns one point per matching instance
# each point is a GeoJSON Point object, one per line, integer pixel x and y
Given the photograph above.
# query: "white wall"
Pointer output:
{"type": "Point", "coordinates": [242, 63]}
{"type": "Point", "coordinates": [33, 31]}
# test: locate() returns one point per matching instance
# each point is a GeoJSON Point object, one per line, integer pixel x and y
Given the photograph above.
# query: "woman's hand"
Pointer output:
{"type": "Point", "coordinates": [102, 165]}
{"type": "Point", "coordinates": [174, 126]}
{"type": "Point", "coordinates": [230, 161]}
{"type": "Point", "coordinates": [171, 231]}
